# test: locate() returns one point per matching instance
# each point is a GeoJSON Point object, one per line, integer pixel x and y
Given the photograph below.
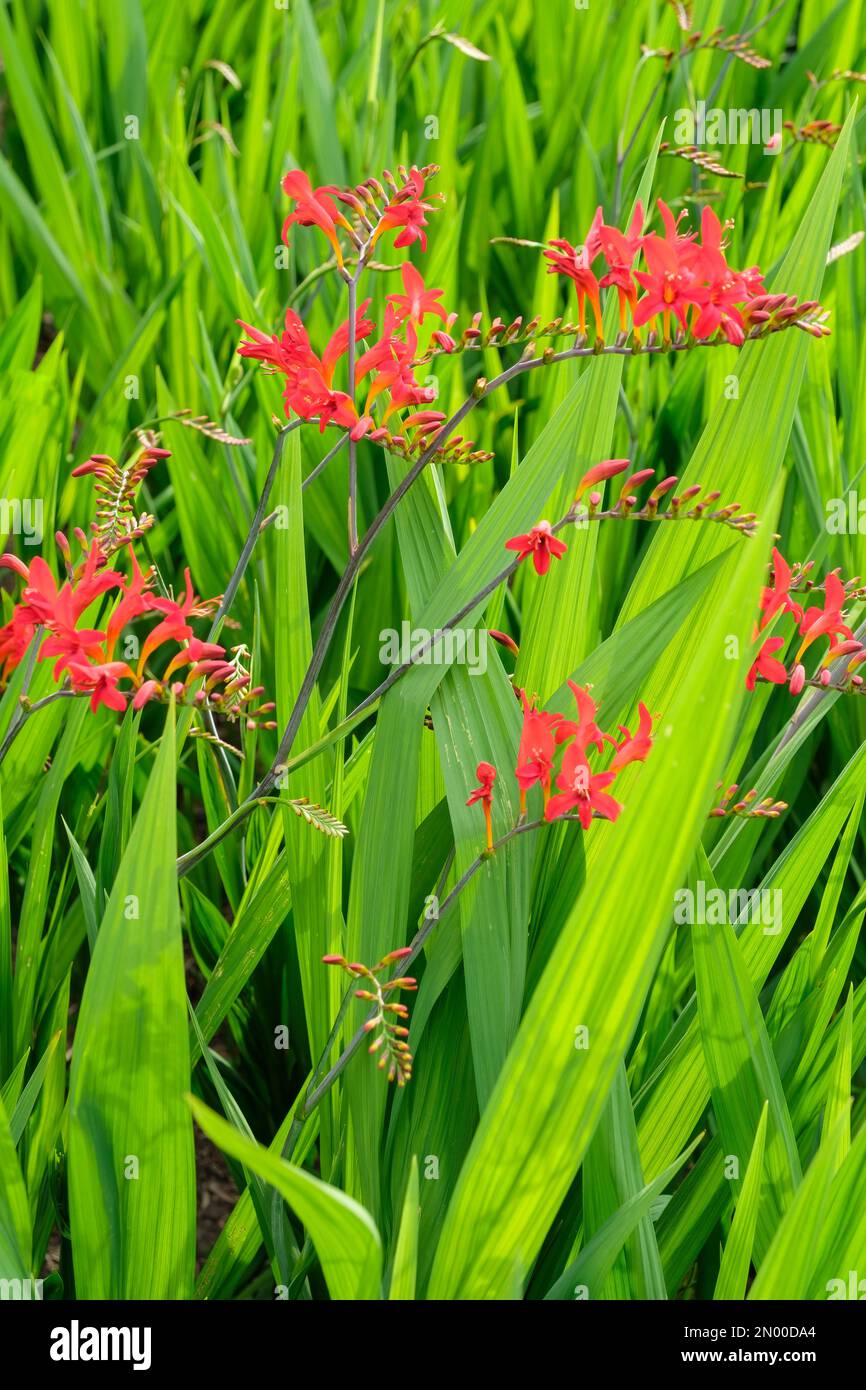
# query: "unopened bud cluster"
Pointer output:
{"type": "Point", "coordinates": [387, 1022]}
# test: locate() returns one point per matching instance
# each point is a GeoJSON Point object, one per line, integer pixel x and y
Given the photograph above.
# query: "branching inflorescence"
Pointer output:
{"type": "Point", "coordinates": [200, 673]}
{"type": "Point", "coordinates": [674, 290]}
{"type": "Point", "coordinates": [736, 45]}
{"type": "Point", "coordinates": [387, 1020]}
{"type": "Point", "coordinates": [843, 654]}
{"type": "Point", "coordinates": [86, 657]}
{"type": "Point", "coordinates": [581, 789]}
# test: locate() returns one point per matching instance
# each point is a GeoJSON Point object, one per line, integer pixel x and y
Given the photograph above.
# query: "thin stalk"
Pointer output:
{"type": "Point", "coordinates": [349, 575]}
{"type": "Point", "coordinates": [344, 588]}
{"type": "Point", "coordinates": [416, 945]}
{"type": "Point", "coordinates": [353, 448]}
{"type": "Point", "coordinates": [21, 712]}
{"type": "Point", "coordinates": [356, 558]}
{"type": "Point", "coordinates": [320, 467]}
{"type": "Point", "coordinates": [253, 534]}
{"type": "Point", "coordinates": [820, 692]}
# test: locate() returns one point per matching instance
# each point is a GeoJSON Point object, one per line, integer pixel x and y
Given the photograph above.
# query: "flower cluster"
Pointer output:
{"type": "Point", "coordinates": [582, 791]}
{"type": "Point", "coordinates": [747, 806]}
{"type": "Point", "coordinates": [85, 656]}
{"type": "Point", "coordinates": [385, 1021]}
{"type": "Point", "coordinates": [543, 544]}
{"type": "Point", "coordinates": [815, 132]}
{"type": "Point", "coordinates": [388, 363]}
{"type": "Point", "coordinates": [686, 280]}
{"type": "Point", "coordinates": [812, 623]}
{"type": "Point", "coordinates": [116, 486]}
{"type": "Point", "coordinates": [735, 44]}
{"type": "Point", "coordinates": [403, 208]}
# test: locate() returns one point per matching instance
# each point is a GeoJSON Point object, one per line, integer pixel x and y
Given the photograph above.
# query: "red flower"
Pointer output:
{"type": "Point", "coordinates": [669, 284]}
{"type": "Point", "coordinates": [409, 216]}
{"type": "Point", "coordinates": [585, 731]}
{"type": "Point", "coordinates": [541, 544]}
{"type": "Point", "coordinates": [717, 301]}
{"type": "Point", "coordinates": [44, 605]}
{"type": "Point", "coordinates": [174, 626]}
{"type": "Point", "coordinates": [417, 301]}
{"type": "Point", "coordinates": [90, 584]}
{"type": "Point", "coordinates": [40, 594]}
{"type": "Point", "coordinates": [681, 242]}
{"type": "Point", "coordinates": [405, 391]}
{"type": "Point", "coordinates": [392, 359]}
{"type": "Point", "coordinates": [536, 750]}
{"type": "Point", "coordinates": [406, 209]}
{"type": "Point", "coordinates": [388, 351]}
{"type": "Point", "coordinates": [194, 652]}
{"type": "Point", "coordinates": [314, 207]}
{"type": "Point", "coordinates": [634, 747]}
{"type": "Point", "coordinates": [486, 774]}
{"type": "Point", "coordinates": [312, 398]}
{"type": "Point", "coordinates": [767, 665]}
{"type": "Point", "coordinates": [826, 621]}
{"type": "Point", "coordinates": [619, 250]}
{"type": "Point", "coordinates": [681, 273]}
{"type": "Point", "coordinates": [308, 390]}
{"type": "Point", "coordinates": [582, 790]}
{"type": "Point", "coordinates": [15, 638]}
{"type": "Point", "coordinates": [576, 263]}
{"type": "Point", "coordinates": [290, 353]}
{"type": "Point", "coordinates": [65, 641]}
{"type": "Point", "coordinates": [338, 344]}
{"type": "Point", "coordinates": [102, 682]}
{"type": "Point", "coordinates": [133, 603]}
{"type": "Point", "coordinates": [753, 281]}
{"type": "Point", "coordinates": [777, 597]}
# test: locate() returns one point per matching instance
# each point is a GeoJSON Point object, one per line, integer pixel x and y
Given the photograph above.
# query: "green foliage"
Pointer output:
{"type": "Point", "coordinates": [603, 1097]}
